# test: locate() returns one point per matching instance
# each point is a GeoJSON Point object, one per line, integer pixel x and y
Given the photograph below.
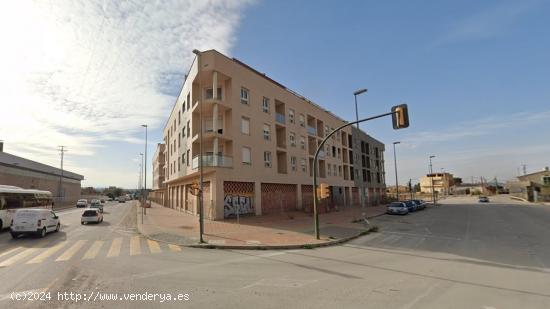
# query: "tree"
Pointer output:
{"type": "Point", "coordinates": [457, 180]}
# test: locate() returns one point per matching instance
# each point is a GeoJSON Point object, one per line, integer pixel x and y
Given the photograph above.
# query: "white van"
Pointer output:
{"type": "Point", "coordinates": [34, 221]}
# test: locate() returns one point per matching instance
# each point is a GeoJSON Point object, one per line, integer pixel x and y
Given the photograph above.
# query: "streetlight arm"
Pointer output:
{"type": "Point", "coordinates": [315, 159]}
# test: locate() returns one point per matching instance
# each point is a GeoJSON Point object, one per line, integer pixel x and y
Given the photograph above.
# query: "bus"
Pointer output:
{"type": "Point", "coordinates": [13, 198]}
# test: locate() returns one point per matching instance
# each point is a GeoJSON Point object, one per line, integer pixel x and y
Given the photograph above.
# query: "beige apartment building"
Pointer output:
{"type": "Point", "coordinates": [442, 183]}
{"type": "Point", "coordinates": [259, 139]}
{"type": "Point", "coordinates": [158, 190]}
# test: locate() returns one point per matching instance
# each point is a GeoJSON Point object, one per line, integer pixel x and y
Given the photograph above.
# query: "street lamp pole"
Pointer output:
{"type": "Point", "coordinates": [201, 176]}
{"type": "Point", "coordinates": [395, 165]}
{"type": "Point", "coordinates": [145, 171]}
{"type": "Point", "coordinates": [432, 177]}
{"type": "Point", "coordinates": [355, 94]}
{"type": "Point", "coordinates": [141, 183]}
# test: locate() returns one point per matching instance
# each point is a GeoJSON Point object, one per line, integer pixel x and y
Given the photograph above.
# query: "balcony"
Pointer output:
{"type": "Point", "coordinates": [311, 130]}
{"type": "Point", "coordinates": [212, 161]}
{"type": "Point", "coordinates": [280, 118]}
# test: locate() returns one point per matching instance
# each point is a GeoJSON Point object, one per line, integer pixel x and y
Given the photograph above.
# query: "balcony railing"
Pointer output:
{"type": "Point", "coordinates": [280, 118]}
{"type": "Point", "coordinates": [311, 130]}
{"type": "Point", "coordinates": [212, 161]}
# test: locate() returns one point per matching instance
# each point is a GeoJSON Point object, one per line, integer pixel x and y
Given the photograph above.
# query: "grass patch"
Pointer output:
{"type": "Point", "coordinates": [308, 246]}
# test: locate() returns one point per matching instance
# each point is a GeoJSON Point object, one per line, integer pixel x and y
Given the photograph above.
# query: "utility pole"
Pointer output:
{"type": "Point", "coordinates": [62, 150]}
{"type": "Point", "coordinates": [432, 177]}
{"type": "Point", "coordinates": [395, 165]}
{"type": "Point", "coordinates": [524, 169]}
{"type": "Point", "coordinates": [496, 186]}
{"type": "Point", "coordinates": [201, 176]}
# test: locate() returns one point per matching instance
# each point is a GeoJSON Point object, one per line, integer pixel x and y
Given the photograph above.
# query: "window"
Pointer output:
{"type": "Point", "coordinates": [292, 139]}
{"type": "Point", "coordinates": [546, 180]}
{"type": "Point", "coordinates": [333, 135]}
{"type": "Point", "coordinates": [339, 170]}
{"type": "Point", "coordinates": [291, 115]}
{"type": "Point", "coordinates": [245, 125]}
{"type": "Point", "coordinates": [188, 128]}
{"type": "Point", "coordinates": [183, 159]}
{"type": "Point", "coordinates": [302, 142]}
{"type": "Point", "coordinates": [334, 151]}
{"type": "Point", "coordinates": [246, 155]}
{"type": "Point", "coordinates": [327, 131]}
{"type": "Point", "coordinates": [187, 155]}
{"type": "Point", "coordinates": [327, 150]}
{"type": "Point", "coordinates": [179, 118]}
{"type": "Point", "coordinates": [303, 164]}
{"type": "Point", "coordinates": [302, 120]}
{"type": "Point", "coordinates": [267, 132]}
{"type": "Point", "coordinates": [339, 152]}
{"type": "Point", "coordinates": [328, 170]}
{"type": "Point", "coordinates": [179, 140]}
{"type": "Point", "coordinates": [265, 105]}
{"type": "Point", "coordinates": [188, 101]}
{"type": "Point", "coordinates": [293, 164]}
{"type": "Point", "coordinates": [267, 158]}
{"type": "Point", "coordinates": [210, 94]}
{"type": "Point", "coordinates": [244, 96]}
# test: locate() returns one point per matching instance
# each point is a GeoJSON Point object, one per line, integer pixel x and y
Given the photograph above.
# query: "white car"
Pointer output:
{"type": "Point", "coordinates": [91, 215]}
{"type": "Point", "coordinates": [82, 203]}
{"type": "Point", "coordinates": [34, 221]}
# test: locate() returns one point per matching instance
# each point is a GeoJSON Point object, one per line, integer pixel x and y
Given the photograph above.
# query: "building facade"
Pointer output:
{"type": "Point", "coordinates": [534, 187]}
{"type": "Point", "coordinates": [442, 183]}
{"type": "Point", "coordinates": [258, 142]}
{"type": "Point", "coordinates": [158, 191]}
{"type": "Point", "coordinates": [28, 174]}
{"type": "Point", "coordinates": [367, 158]}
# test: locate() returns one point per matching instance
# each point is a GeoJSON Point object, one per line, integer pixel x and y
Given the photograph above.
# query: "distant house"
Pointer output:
{"type": "Point", "coordinates": [534, 187]}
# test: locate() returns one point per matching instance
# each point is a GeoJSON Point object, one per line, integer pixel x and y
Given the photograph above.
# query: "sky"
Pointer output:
{"type": "Point", "coordinates": [88, 74]}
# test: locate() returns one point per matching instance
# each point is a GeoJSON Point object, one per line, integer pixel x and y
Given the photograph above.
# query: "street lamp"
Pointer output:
{"type": "Point", "coordinates": [141, 182]}
{"type": "Point", "coordinates": [432, 177]}
{"type": "Point", "coordinates": [395, 165]}
{"type": "Point", "coordinates": [201, 176]}
{"type": "Point", "coordinates": [355, 94]}
{"type": "Point", "coordinates": [145, 172]}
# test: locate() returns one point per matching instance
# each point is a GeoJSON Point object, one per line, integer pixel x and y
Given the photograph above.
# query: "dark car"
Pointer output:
{"type": "Point", "coordinates": [420, 204]}
{"type": "Point", "coordinates": [411, 206]}
{"type": "Point", "coordinates": [483, 199]}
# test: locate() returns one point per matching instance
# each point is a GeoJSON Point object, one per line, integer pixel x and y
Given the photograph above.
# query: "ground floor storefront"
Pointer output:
{"type": "Point", "coordinates": [229, 198]}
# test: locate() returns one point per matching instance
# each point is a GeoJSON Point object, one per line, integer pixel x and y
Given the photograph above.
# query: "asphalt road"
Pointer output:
{"type": "Point", "coordinates": [459, 255]}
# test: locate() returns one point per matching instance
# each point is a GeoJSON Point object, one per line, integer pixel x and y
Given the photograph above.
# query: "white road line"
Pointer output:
{"type": "Point", "coordinates": [420, 297]}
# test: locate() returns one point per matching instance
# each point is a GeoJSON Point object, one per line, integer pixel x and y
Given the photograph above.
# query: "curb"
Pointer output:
{"type": "Point", "coordinates": [264, 247]}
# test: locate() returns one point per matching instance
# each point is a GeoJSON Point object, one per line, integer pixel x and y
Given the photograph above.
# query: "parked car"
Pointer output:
{"type": "Point", "coordinates": [411, 206]}
{"type": "Point", "coordinates": [483, 199]}
{"type": "Point", "coordinates": [91, 215]}
{"type": "Point", "coordinates": [420, 204]}
{"type": "Point", "coordinates": [97, 205]}
{"type": "Point", "coordinates": [34, 221]}
{"type": "Point", "coordinates": [82, 203]}
{"type": "Point", "coordinates": [121, 199]}
{"type": "Point", "coordinates": [398, 208]}
{"type": "Point", "coordinates": [102, 201]}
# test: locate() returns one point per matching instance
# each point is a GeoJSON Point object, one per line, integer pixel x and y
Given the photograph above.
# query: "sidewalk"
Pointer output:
{"type": "Point", "coordinates": [274, 231]}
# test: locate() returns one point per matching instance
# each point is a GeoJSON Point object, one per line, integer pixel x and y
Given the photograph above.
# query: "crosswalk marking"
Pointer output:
{"type": "Point", "coordinates": [21, 255]}
{"type": "Point", "coordinates": [174, 248]}
{"type": "Point", "coordinates": [9, 251]}
{"type": "Point", "coordinates": [67, 255]}
{"type": "Point", "coordinates": [115, 247]}
{"type": "Point", "coordinates": [44, 255]}
{"type": "Point", "coordinates": [153, 246]}
{"type": "Point", "coordinates": [135, 246]}
{"type": "Point", "coordinates": [93, 251]}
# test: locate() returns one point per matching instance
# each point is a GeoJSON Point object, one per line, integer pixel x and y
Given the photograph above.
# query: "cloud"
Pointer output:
{"type": "Point", "coordinates": [487, 23]}
{"type": "Point", "coordinates": [80, 73]}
